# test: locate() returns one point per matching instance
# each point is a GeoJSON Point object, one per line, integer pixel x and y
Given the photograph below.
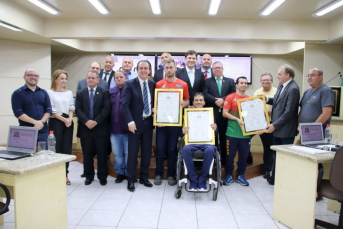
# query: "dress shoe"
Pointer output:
{"type": "Point", "coordinates": [83, 175]}
{"type": "Point", "coordinates": [131, 186]}
{"type": "Point", "coordinates": [266, 175]}
{"type": "Point", "coordinates": [103, 182]}
{"type": "Point", "coordinates": [88, 181]}
{"type": "Point", "coordinates": [120, 178]}
{"type": "Point", "coordinates": [271, 180]}
{"type": "Point", "coordinates": [158, 180]}
{"type": "Point", "coordinates": [171, 181]}
{"type": "Point", "coordinates": [146, 183]}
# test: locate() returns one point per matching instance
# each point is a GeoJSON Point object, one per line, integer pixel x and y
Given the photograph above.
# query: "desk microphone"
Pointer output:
{"type": "Point", "coordinates": [338, 74]}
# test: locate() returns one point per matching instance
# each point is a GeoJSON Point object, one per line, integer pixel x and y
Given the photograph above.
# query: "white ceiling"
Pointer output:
{"type": "Point", "coordinates": [291, 11]}
{"type": "Point", "coordinates": [196, 9]}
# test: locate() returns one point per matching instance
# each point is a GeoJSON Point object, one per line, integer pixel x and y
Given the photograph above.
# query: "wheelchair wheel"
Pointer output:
{"type": "Point", "coordinates": [178, 168]}
{"type": "Point", "coordinates": [178, 193]}
{"type": "Point", "coordinates": [215, 194]}
{"type": "Point", "coordinates": [218, 170]}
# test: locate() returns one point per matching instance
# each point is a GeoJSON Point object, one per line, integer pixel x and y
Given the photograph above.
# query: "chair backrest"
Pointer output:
{"type": "Point", "coordinates": [336, 174]}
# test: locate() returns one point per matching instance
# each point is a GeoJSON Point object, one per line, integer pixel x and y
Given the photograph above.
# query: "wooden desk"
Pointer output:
{"type": "Point", "coordinates": [296, 185]}
{"type": "Point", "coordinates": [38, 187]}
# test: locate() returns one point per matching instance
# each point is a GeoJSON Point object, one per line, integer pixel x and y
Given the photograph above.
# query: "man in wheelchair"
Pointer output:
{"type": "Point", "coordinates": [198, 182]}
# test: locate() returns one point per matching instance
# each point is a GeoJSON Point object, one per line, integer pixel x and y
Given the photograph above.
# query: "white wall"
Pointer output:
{"type": "Point", "coordinates": [15, 58]}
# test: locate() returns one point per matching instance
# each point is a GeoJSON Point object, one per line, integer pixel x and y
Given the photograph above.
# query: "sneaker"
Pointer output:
{"type": "Point", "coordinates": [171, 181]}
{"type": "Point", "coordinates": [228, 180]}
{"type": "Point", "coordinates": [241, 180]}
{"type": "Point", "coordinates": [193, 186]}
{"type": "Point", "coordinates": [202, 186]}
{"type": "Point", "coordinates": [158, 180]}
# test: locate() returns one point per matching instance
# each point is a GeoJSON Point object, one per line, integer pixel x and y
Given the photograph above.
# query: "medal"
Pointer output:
{"type": "Point", "coordinates": [308, 101]}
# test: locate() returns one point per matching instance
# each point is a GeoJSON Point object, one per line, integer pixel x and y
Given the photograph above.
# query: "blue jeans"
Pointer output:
{"type": "Point", "coordinates": [119, 144]}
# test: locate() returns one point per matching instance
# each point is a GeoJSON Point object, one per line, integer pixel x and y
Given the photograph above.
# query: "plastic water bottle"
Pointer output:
{"type": "Point", "coordinates": [327, 134]}
{"type": "Point", "coordinates": [52, 141]}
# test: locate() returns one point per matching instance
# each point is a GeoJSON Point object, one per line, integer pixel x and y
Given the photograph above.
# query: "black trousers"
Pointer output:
{"type": "Point", "coordinates": [268, 156]}
{"type": "Point", "coordinates": [144, 135]}
{"type": "Point", "coordinates": [99, 143]}
{"type": "Point", "coordinates": [222, 126]}
{"type": "Point", "coordinates": [64, 137]}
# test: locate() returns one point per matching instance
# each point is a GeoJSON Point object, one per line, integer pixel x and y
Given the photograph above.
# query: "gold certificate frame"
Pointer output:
{"type": "Point", "coordinates": [199, 120]}
{"type": "Point", "coordinates": [253, 113]}
{"type": "Point", "coordinates": [168, 111]}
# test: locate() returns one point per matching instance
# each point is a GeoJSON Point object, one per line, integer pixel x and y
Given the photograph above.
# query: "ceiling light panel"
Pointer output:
{"type": "Point", "coordinates": [8, 26]}
{"type": "Point", "coordinates": [271, 7]}
{"type": "Point", "coordinates": [214, 6]}
{"type": "Point", "coordinates": [45, 6]}
{"type": "Point", "coordinates": [155, 6]}
{"type": "Point", "coordinates": [326, 9]}
{"type": "Point", "coordinates": [99, 6]}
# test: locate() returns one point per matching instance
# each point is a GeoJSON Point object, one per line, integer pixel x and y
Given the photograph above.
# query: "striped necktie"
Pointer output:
{"type": "Point", "coordinates": [145, 99]}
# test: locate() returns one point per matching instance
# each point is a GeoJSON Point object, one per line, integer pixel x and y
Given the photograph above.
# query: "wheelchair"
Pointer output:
{"type": "Point", "coordinates": [197, 157]}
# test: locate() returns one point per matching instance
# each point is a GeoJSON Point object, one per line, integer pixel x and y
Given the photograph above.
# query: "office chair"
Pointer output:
{"type": "Point", "coordinates": [4, 206]}
{"type": "Point", "coordinates": [332, 188]}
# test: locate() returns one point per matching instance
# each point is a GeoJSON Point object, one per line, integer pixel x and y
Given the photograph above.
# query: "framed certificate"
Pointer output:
{"type": "Point", "coordinates": [168, 111]}
{"type": "Point", "coordinates": [199, 120]}
{"type": "Point", "coordinates": [253, 112]}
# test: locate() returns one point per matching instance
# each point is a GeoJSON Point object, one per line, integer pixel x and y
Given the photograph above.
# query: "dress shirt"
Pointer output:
{"type": "Point", "coordinates": [61, 102]}
{"type": "Point", "coordinates": [32, 103]}
{"type": "Point", "coordinates": [108, 76]}
{"type": "Point", "coordinates": [209, 72]}
{"type": "Point", "coordinates": [149, 96]}
{"type": "Point", "coordinates": [285, 85]}
{"type": "Point", "coordinates": [116, 98]}
{"type": "Point", "coordinates": [191, 76]}
{"type": "Point", "coordinates": [89, 91]}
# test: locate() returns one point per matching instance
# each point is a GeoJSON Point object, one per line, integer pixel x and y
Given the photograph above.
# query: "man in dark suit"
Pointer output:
{"type": "Point", "coordinates": [107, 73]}
{"type": "Point", "coordinates": [206, 62]}
{"type": "Point", "coordinates": [92, 107]}
{"type": "Point", "coordinates": [138, 101]}
{"type": "Point", "coordinates": [285, 111]}
{"type": "Point", "coordinates": [215, 98]}
{"type": "Point", "coordinates": [81, 84]}
{"type": "Point", "coordinates": [160, 74]}
{"type": "Point", "coordinates": [192, 76]}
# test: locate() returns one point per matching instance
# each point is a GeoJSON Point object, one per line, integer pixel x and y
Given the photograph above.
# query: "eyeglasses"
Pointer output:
{"type": "Point", "coordinates": [32, 75]}
{"type": "Point", "coordinates": [265, 80]}
{"type": "Point", "coordinates": [311, 75]}
{"type": "Point", "coordinates": [217, 68]}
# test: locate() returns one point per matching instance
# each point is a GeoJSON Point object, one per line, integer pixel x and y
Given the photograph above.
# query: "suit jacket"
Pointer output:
{"type": "Point", "coordinates": [211, 92]}
{"type": "Point", "coordinates": [285, 111]}
{"type": "Point", "coordinates": [82, 84]}
{"type": "Point", "coordinates": [101, 111]}
{"type": "Point", "coordinates": [133, 101]}
{"type": "Point", "coordinates": [111, 77]}
{"type": "Point", "coordinates": [198, 82]}
{"type": "Point", "coordinates": [158, 75]}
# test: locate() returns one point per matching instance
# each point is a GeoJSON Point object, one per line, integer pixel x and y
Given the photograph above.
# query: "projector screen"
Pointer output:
{"type": "Point", "coordinates": [234, 67]}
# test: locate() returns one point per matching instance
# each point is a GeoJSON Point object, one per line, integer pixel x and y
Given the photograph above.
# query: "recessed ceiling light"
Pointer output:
{"type": "Point", "coordinates": [271, 7]}
{"type": "Point", "coordinates": [155, 6]}
{"type": "Point", "coordinates": [328, 8]}
{"type": "Point", "coordinates": [99, 6]}
{"type": "Point", "coordinates": [8, 26]}
{"type": "Point", "coordinates": [45, 6]}
{"type": "Point", "coordinates": [214, 6]}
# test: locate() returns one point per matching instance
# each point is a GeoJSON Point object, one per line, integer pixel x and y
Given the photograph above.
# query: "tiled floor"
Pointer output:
{"type": "Point", "coordinates": [113, 207]}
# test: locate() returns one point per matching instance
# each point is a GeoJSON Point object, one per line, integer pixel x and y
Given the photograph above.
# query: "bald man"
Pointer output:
{"type": "Point", "coordinates": [206, 62]}
{"type": "Point", "coordinates": [126, 66]}
{"type": "Point", "coordinates": [160, 73]}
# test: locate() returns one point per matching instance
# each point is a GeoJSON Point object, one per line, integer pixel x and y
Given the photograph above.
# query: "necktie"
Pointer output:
{"type": "Point", "coordinates": [91, 97]}
{"type": "Point", "coordinates": [219, 85]}
{"type": "Point", "coordinates": [117, 105]}
{"type": "Point", "coordinates": [145, 99]}
{"type": "Point", "coordinates": [205, 74]}
{"type": "Point", "coordinates": [278, 94]}
{"type": "Point", "coordinates": [105, 77]}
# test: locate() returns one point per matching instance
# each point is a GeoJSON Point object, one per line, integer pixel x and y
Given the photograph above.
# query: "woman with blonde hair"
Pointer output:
{"type": "Point", "coordinates": [61, 121]}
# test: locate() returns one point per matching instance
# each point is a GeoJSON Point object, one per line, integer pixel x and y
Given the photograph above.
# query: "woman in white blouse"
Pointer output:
{"type": "Point", "coordinates": [61, 121]}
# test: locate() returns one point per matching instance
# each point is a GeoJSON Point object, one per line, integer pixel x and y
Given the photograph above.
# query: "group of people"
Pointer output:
{"type": "Point", "coordinates": [115, 113]}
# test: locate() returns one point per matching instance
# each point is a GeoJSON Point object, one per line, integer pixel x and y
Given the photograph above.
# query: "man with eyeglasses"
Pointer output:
{"type": "Point", "coordinates": [268, 90]}
{"type": "Point", "coordinates": [31, 105]}
{"type": "Point", "coordinates": [216, 89]}
{"type": "Point", "coordinates": [317, 102]}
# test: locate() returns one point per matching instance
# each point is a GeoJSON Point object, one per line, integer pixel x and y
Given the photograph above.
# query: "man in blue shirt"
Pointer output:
{"type": "Point", "coordinates": [31, 105]}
